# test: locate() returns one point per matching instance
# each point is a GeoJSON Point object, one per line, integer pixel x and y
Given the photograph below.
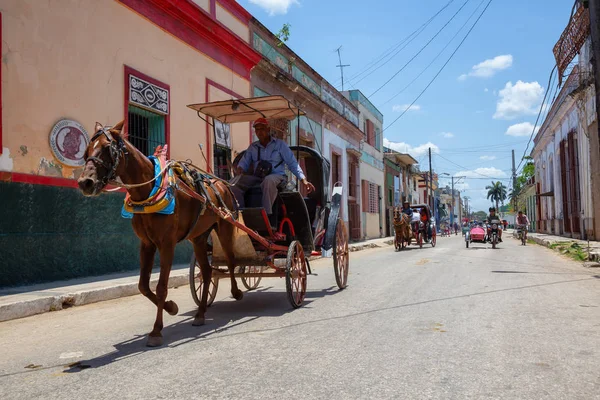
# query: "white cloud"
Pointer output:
{"type": "Point", "coordinates": [489, 67]}
{"type": "Point", "coordinates": [416, 151]}
{"type": "Point", "coordinates": [404, 107]}
{"type": "Point", "coordinates": [486, 90]}
{"type": "Point", "coordinates": [522, 129]}
{"type": "Point", "coordinates": [487, 158]}
{"type": "Point", "coordinates": [447, 135]}
{"type": "Point", "coordinates": [522, 98]}
{"type": "Point", "coordinates": [484, 172]}
{"type": "Point", "coordinates": [274, 7]}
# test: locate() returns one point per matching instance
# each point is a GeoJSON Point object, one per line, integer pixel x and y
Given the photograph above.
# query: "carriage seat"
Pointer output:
{"type": "Point", "coordinates": [253, 196]}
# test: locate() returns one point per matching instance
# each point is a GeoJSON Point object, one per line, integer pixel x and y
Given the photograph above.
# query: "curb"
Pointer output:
{"type": "Point", "coordinates": [594, 256]}
{"type": "Point", "coordinates": [22, 309]}
{"type": "Point", "coordinates": [359, 247]}
{"type": "Point", "coordinates": [27, 308]}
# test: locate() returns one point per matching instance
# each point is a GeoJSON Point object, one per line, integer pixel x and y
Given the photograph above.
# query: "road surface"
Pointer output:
{"type": "Point", "coordinates": [436, 323]}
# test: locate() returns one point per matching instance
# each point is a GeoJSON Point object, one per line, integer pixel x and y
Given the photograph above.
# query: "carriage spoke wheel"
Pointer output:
{"type": "Point", "coordinates": [295, 274]}
{"type": "Point", "coordinates": [251, 283]}
{"type": "Point", "coordinates": [340, 255]}
{"type": "Point", "coordinates": [196, 284]}
{"type": "Point", "coordinates": [420, 239]}
{"type": "Point", "coordinates": [434, 237]}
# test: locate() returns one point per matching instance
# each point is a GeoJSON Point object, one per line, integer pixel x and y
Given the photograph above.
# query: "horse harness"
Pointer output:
{"type": "Point", "coordinates": [117, 150]}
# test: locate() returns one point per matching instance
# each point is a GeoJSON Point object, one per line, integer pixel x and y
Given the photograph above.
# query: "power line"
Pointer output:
{"type": "Point", "coordinates": [463, 168]}
{"type": "Point", "coordinates": [549, 80]}
{"type": "Point", "coordinates": [437, 56]}
{"type": "Point", "coordinates": [421, 50]}
{"type": "Point", "coordinates": [443, 66]}
{"type": "Point", "coordinates": [538, 117]}
{"type": "Point", "coordinates": [393, 48]}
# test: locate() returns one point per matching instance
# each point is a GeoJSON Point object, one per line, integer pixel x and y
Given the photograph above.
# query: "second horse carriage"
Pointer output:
{"type": "Point", "coordinates": [304, 224]}
{"type": "Point", "coordinates": [421, 227]}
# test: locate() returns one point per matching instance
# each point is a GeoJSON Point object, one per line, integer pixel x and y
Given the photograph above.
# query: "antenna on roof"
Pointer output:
{"type": "Point", "coordinates": [341, 66]}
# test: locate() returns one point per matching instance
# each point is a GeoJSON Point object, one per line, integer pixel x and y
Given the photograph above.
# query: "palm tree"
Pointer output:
{"type": "Point", "coordinates": [496, 192]}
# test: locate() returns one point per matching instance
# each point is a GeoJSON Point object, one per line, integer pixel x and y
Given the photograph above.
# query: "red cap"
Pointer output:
{"type": "Point", "coordinates": [261, 121]}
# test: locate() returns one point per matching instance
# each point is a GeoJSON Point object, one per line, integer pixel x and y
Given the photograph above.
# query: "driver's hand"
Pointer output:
{"type": "Point", "coordinates": [309, 186]}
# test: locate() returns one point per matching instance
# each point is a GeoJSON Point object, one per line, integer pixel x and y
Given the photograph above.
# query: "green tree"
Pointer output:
{"type": "Point", "coordinates": [497, 193]}
{"type": "Point", "coordinates": [480, 215]}
{"type": "Point", "coordinates": [283, 35]}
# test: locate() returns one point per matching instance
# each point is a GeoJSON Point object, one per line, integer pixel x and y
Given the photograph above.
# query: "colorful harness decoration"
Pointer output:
{"type": "Point", "coordinates": [162, 196]}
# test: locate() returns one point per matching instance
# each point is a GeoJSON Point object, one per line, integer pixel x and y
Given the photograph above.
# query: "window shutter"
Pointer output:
{"type": "Point", "coordinates": [364, 195]}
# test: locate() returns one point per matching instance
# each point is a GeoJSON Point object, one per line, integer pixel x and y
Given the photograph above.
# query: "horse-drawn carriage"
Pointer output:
{"type": "Point", "coordinates": [170, 201]}
{"type": "Point", "coordinates": [421, 227]}
{"type": "Point", "coordinates": [304, 225]}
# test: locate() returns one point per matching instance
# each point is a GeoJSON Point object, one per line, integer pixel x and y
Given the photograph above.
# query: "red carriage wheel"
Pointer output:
{"type": "Point", "coordinates": [420, 239]}
{"type": "Point", "coordinates": [251, 283]}
{"type": "Point", "coordinates": [433, 238]}
{"type": "Point", "coordinates": [341, 255]}
{"type": "Point", "coordinates": [295, 276]}
{"type": "Point", "coordinates": [195, 277]}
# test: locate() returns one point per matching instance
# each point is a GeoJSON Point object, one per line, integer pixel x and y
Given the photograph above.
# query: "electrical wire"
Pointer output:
{"type": "Point", "coordinates": [421, 50]}
{"type": "Point", "coordinates": [538, 117]}
{"type": "Point", "coordinates": [437, 56]}
{"type": "Point", "coordinates": [393, 48]}
{"type": "Point", "coordinates": [441, 69]}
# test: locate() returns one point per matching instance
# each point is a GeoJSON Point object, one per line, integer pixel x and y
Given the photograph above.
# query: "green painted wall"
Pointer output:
{"type": "Point", "coordinates": [50, 233]}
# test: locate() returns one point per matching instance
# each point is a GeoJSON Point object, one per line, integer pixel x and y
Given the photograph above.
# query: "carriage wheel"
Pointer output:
{"type": "Point", "coordinates": [251, 283]}
{"type": "Point", "coordinates": [196, 281]}
{"type": "Point", "coordinates": [295, 274]}
{"type": "Point", "coordinates": [433, 238]}
{"type": "Point", "coordinates": [340, 255]}
{"type": "Point", "coordinates": [420, 239]}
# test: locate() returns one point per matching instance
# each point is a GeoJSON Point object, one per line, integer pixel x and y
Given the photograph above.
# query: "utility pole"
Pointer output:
{"type": "Point", "coordinates": [341, 66]}
{"type": "Point", "coordinates": [430, 194]}
{"type": "Point", "coordinates": [514, 178]}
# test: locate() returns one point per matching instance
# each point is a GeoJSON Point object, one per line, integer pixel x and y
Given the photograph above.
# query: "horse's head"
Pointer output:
{"type": "Point", "coordinates": [102, 157]}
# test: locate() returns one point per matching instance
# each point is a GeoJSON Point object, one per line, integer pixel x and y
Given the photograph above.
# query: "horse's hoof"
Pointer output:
{"type": "Point", "coordinates": [171, 307]}
{"type": "Point", "coordinates": [238, 295]}
{"type": "Point", "coordinates": [198, 321]}
{"type": "Point", "coordinates": [154, 341]}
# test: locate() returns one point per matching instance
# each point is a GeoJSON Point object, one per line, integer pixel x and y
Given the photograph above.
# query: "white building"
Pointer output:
{"type": "Point", "coordinates": [371, 164]}
{"type": "Point", "coordinates": [562, 166]}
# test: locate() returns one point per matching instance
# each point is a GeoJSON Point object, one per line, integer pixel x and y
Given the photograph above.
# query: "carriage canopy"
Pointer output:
{"type": "Point", "coordinates": [249, 109]}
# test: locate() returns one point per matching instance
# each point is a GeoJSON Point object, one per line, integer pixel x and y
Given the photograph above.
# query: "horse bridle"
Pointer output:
{"type": "Point", "coordinates": [117, 150]}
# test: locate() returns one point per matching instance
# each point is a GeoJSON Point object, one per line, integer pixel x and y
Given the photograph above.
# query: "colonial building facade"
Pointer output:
{"type": "Point", "coordinates": [69, 64]}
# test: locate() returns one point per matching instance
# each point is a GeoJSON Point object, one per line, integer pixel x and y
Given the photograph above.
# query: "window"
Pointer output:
{"type": "Point", "coordinates": [335, 169]}
{"type": "Point", "coordinates": [147, 108]}
{"type": "Point", "coordinates": [370, 132]}
{"type": "Point", "coordinates": [370, 197]}
{"type": "Point", "coordinates": [352, 169]}
{"type": "Point", "coordinates": [373, 198]}
{"type": "Point", "coordinates": [146, 129]}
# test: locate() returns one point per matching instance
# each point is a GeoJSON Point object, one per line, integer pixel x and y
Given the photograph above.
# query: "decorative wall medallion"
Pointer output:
{"type": "Point", "coordinates": [148, 96]}
{"type": "Point", "coordinates": [68, 141]}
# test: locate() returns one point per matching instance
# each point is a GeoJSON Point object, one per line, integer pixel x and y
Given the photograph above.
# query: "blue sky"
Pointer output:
{"type": "Point", "coordinates": [482, 105]}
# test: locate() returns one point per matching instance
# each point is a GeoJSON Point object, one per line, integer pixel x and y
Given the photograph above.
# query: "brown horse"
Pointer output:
{"type": "Point", "coordinates": [109, 156]}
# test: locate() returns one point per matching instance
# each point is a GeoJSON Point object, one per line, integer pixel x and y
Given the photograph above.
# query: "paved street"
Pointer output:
{"type": "Point", "coordinates": [442, 323]}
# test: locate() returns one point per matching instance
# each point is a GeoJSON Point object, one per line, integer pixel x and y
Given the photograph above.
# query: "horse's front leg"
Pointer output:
{"type": "Point", "coordinates": [167, 252]}
{"type": "Point", "coordinates": [226, 231]}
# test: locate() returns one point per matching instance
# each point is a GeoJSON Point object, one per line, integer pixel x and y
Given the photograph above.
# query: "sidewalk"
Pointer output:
{"type": "Point", "coordinates": [547, 240]}
{"type": "Point", "coordinates": [24, 301]}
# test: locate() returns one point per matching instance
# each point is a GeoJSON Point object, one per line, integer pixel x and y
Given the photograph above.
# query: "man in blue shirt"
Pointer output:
{"type": "Point", "coordinates": [273, 153]}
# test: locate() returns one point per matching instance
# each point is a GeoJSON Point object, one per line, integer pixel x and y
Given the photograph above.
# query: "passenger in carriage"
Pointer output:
{"type": "Point", "coordinates": [269, 156]}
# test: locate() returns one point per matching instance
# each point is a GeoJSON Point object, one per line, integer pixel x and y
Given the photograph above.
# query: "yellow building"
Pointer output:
{"type": "Point", "coordinates": [67, 64]}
